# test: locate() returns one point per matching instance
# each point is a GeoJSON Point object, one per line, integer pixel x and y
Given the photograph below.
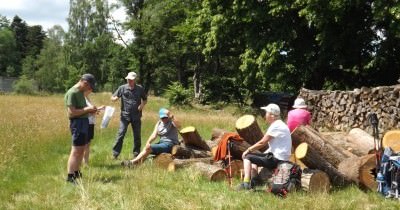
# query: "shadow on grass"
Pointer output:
{"type": "Point", "coordinates": [107, 179]}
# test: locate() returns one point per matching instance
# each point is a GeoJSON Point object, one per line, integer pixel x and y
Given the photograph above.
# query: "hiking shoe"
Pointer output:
{"type": "Point", "coordinates": [244, 186]}
{"type": "Point", "coordinates": [78, 174]}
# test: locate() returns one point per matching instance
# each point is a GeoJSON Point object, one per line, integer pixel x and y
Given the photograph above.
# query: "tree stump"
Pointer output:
{"type": "Point", "coordinates": [212, 172]}
{"type": "Point", "coordinates": [181, 163]}
{"type": "Point", "coordinates": [247, 127]}
{"type": "Point", "coordinates": [361, 170]}
{"type": "Point", "coordinates": [315, 181]}
{"type": "Point", "coordinates": [191, 137]}
{"type": "Point", "coordinates": [162, 160]}
{"type": "Point", "coordinates": [184, 152]}
{"type": "Point", "coordinates": [392, 139]}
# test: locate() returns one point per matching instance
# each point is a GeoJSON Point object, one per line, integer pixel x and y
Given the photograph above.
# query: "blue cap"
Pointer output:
{"type": "Point", "coordinates": [163, 113]}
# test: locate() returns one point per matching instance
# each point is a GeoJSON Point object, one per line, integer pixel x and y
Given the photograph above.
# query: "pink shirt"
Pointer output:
{"type": "Point", "coordinates": [298, 117]}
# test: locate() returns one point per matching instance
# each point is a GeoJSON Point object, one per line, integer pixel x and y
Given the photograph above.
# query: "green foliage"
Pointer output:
{"type": "Point", "coordinates": [24, 85]}
{"type": "Point", "coordinates": [8, 56]}
{"type": "Point", "coordinates": [178, 95]}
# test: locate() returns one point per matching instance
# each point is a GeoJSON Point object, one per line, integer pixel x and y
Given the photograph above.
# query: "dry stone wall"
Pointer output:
{"type": "Point", "coordinates": [344, 110]}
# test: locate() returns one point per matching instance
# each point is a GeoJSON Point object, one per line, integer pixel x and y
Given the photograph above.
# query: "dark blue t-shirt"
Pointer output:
{"type": "Point", "coordinates": [130, 100]}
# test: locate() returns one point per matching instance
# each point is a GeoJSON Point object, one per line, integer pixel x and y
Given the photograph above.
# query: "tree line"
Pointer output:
{"type": "Point", "coordinates": [213, 50]}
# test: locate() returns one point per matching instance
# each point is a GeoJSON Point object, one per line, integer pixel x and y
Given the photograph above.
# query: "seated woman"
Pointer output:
{"type": "Point", "coordinates": [167, 128]}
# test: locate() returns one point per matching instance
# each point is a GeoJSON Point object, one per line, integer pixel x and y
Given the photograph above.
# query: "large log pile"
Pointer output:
{"type": "Point", "coordinates": [342, 110]}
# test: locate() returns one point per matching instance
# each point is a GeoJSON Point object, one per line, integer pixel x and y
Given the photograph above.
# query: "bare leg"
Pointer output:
{"type": "Point", "coordinates": [142, 155]}
{"type": "Point", "coordinates": [247, 167]}
{"type": "Point", "coordinates": [75, 158]}
{"type": "Point", "coordinates": [86, 154]}
{"type": "Point", "coordinates": [254, 170]}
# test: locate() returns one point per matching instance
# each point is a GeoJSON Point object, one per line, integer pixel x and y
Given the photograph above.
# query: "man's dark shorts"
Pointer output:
{"type": "Point", "coordinates": [161, 147]}
{"type": "Point", "coordinates": [79, 128]}
{"type": "Point", "coordinates": [265, 160]}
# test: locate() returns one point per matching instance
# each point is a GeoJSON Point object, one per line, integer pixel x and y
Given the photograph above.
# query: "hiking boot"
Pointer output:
{"type": "Point", "coordinates": [244, 186]}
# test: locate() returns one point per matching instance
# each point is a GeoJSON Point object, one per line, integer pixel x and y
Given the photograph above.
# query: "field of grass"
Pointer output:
{"type": "Point", "coordinates": [35, 144]}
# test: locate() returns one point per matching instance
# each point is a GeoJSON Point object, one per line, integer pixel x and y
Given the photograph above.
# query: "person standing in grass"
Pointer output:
{"type": "Point", "coordinates": [92, 122]}
{"type": "Point", "coordinates": [167, 128]}
{"type": "Point", "coordinates": [280, 144]}
{"type": "Point", "coordinates": [299, 115]}
{"type": "Point", "coordinates": [78, 112]}
{"type": "Point", "coordinates": [133, 99]}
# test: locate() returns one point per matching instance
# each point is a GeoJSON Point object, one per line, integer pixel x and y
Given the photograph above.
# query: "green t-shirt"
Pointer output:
{"type": "Point", "coordinates": [75, 98]}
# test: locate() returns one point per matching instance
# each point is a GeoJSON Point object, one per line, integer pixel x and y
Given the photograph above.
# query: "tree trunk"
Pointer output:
{"type": "Point", "coordinates": [162, 160]}
{"type": "Point", "coordinates": [248, 129]}
{"type": "Point", "coordinates": [328, 152]}
{"type": "Point", "coordinates": [315, 181]}
{"type": "Point", "coordinates": [192, 138]}
{"type": "Point", "coordinates": [184, 152]}
{"type": "Point", "coordinates": [361, 170]}
{"type": "Point", "coordinates": [212, 172]}
{"type": "Point", "coordinates": [181, 163]}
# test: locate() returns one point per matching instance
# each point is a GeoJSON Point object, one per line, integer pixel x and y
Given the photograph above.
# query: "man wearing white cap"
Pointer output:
{"type": "Point", "coordinates": [133, 99]}
{"type": "Point", "coordinates": [280, 145]}
{"type": "Point", "coordinates": [299, 115]}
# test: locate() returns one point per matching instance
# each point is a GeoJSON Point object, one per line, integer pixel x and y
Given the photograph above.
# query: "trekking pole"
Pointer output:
{"type": "Point", "coordinates": [229, 164]}
{"type": "Point", "coordinates": [373, 119]}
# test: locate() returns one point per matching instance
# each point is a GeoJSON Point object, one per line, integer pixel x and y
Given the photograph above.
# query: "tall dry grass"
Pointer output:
{"type": "Point", "coordinates": [35, 144]}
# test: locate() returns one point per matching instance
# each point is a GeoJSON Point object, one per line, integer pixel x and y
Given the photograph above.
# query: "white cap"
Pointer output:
{"type": "Point", "coordinates": [272, 108]}
{"type": "Point", "coordinates": [299, 103]}
{"type": "Point", "coordinates": [131, 76]}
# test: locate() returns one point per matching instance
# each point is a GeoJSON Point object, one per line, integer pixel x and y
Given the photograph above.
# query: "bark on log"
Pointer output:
{"type": "Point", "coordinates": [184, 152]}
{"type": "Point", "coordinates": [162, 160]}
{"type": "Point", "coordinates": [315, 181]}
{"type": "Point", "coordinates": [339, 141]}
{"type": "Point", "coordinates": [212, 172]}
{"type": "Point", "coordinates": [238, 147]}
{"type": "Point", "coordinates": [361, 138]}
{"type": "Point", "coordinates": [329, 153]}
{"type": "Point", "coordinates": [191, 137]}
{"type": "Point", "coordinates": [392, 139]}
{"type": "Point", "coordinates": [248, 129]}
{"type": "Point", "coordinates": [181, 163]}
{"type": "Point", "coordinates": [314, 160]}
{"type": "Point", "coordinates": [360, 170]}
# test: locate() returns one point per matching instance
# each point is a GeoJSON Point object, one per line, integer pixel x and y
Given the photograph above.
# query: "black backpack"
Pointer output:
{"type": "Point", "coordinates": [286, 178]}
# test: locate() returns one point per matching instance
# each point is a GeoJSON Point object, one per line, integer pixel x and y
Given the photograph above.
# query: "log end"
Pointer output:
{"type": "Point", "coordinates": [244, 121]}
{"type": "Point", "coordinates": [301, 150]}
{"type": "Point", "coordinates": [320, 182]}
{"type": "Point", "coordinates": [392, 139]}
{"type": "Point", "coordinates": [219, 175]}
{"type": "Point", "coordinates": [188, 129]}
{"type": "Point", "coordinates": [162, 160]}
{"type": "Point", "coordinates": [367, 172]}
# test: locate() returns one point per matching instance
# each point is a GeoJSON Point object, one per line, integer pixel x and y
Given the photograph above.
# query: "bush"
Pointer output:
{"type": "Point", "coordinates": [24, 86]}
{"type": "Point", "coordinates": [178, 95]}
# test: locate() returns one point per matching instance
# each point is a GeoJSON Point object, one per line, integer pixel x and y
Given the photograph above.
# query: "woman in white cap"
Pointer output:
{"type": "Point", "coordinates": [299, 115]}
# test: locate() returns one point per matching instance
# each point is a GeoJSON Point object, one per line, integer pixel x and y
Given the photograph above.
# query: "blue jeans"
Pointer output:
{"type": "Point", "coordinates": [136, 125]}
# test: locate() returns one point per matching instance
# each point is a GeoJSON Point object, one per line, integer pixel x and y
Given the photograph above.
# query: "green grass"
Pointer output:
{"type": "Point", "coordinates": [35, 144]}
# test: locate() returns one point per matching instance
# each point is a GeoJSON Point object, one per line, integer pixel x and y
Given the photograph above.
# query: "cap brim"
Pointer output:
{"type": "Point", "coordinates": [299, 107]}
{"type": "Point", "coordinates": [162, 116]}
{"type": "Point", "coordinates": [130, 78]}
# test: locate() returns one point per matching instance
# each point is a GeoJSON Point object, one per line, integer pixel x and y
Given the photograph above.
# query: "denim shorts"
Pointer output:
{"type": "Point", "coordinates": [79, 128]}
{"type": "Point", "coordinates": [161, 147]}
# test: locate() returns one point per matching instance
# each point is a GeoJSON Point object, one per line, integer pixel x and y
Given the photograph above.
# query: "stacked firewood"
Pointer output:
{"type": "Point", "coordinates": [342, 110]}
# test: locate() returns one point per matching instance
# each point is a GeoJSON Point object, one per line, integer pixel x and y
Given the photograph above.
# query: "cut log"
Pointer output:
{"type": "Point", "coordinates": [162, 160]}
{"type": "Point", "coordinates": [360, 170]}
{"type": "Point", "coordinates": [181, 163]}
{"type": "Point", "coordinates": [237, 166]}
{"type": "Point", "coordinates": [237, 149]}
{"type": "Point", "coordinates": [314, 160]}
{"type": "Point", "coordinates": [247, 127]}
{"type": "Point", "coordinates": [315, 181]}
{"type": "Point", "coordinates": [392, 139]}
{"type": "Point", "coordinates": [328, 152]}
{"type": "Point", "coordinates": [339, 141]}
{"type": "Point", "coordinates": [184, 152]}
{"type": "Point", "coordinates": [212, 172]}
{"type": "Point", "coordinates": [191, 137]}
{"type": "Point", "coordinates": [362, 139]}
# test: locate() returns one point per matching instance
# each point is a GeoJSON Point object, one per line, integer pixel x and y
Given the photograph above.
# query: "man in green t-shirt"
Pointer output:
{"type": "Point", "coordinates": [78, 113]}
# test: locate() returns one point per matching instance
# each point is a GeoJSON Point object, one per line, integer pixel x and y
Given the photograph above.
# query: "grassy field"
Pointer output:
{"type": "Point", "coordinates": [35, 144]}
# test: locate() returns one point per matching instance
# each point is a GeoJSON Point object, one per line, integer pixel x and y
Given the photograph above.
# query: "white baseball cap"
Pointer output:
{"type": "Point", "coordinates": [272, 108]}
{"type": "Point", "coordinates": [299, 103]}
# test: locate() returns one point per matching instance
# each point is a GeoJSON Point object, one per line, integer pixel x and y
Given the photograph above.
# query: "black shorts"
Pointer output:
{"type": "Point", "coordinates": [79, 128]}
{"type": "Point", "coordinates": [266, 160]}
{"type": "Point", "coordinates": [90, 132]}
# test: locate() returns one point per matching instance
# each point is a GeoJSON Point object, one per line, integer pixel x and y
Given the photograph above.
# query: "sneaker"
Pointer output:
{"type": "Point", "coordinates": [244, 186]}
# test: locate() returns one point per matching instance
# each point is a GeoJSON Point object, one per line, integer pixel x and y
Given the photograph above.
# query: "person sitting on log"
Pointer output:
{"type": "Point", "coordinates": [167, 128]}
{"type": "Point", "coordinates": [280, 144]}
{"type": "Point", "coordinates": [299, 115]}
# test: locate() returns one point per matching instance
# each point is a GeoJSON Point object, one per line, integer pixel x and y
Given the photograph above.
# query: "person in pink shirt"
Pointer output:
{"type": "Point", "coordinates": [299, 115]}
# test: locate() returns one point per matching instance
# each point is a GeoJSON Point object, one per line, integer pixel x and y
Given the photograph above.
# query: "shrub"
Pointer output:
{"type": "Point", "coordinates": [178, 95]}
{"type": "Point", "coordinates": [24, 86]}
